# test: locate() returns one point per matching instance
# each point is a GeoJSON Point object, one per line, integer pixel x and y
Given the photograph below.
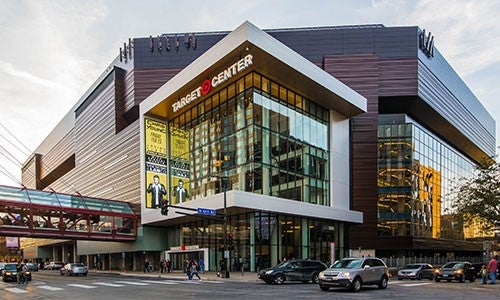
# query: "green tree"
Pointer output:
{"type": "Point", "coordinates": [478, 197]}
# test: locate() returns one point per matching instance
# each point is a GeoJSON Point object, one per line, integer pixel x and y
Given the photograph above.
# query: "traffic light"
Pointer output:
{"type": "Point", "coordinates": [164, 208]}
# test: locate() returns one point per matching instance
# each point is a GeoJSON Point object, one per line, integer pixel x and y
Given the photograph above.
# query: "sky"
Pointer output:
{"type": "Point", "coordinates": [52, 51]}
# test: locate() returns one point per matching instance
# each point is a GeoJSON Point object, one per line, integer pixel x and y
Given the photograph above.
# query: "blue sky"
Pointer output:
{"type": "Point", "coordinates": [52, 51]}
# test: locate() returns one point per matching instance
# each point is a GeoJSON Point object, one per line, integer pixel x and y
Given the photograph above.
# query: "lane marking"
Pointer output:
{"type": "Point", "coordinates": [416, 284]}
{"type": "Point", "coordinates": [159, 281]}
{"type": "Point", "coordinates": [16, 290]}
{"type": "Point", "coordinates": [50, 288]}
{"type": "Point", "coordinates": [132, 282]}
{"type": "Point", "coordinates": [109, 284]}
{"type": "Point", "coordinates": [83, 286]}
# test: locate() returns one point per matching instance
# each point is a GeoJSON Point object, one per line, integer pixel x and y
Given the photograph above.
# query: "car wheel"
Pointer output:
{"type": "Point", "coordinates": [419, 276]}
{"type": "Point", "coordinates": [61, 273]}
{"type": "Point", "coordinates": [324, 287]}
{"type": "Point", "coordinates": [356, 284]}
{"type": "Point", "coordinates": [461, 279]}
{"type": "Point", "coordinates": [383, 282]}
{"type": "Point", "coordinates": [279, 279]}
{"type": "Point", "coordinates": [315, 278]}
{"type": "Point", "coordinates": [431, 277]}
{"type": "Point", "coordinates": [437, 279]}
{"type": "Point", "coordinates": [84, 274]}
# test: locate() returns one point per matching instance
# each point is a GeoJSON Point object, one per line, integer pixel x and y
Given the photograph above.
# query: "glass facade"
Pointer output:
{"type": "Point", "coordinates": [266, 138]}
{"type": "Point", "coordinates": [261, 239]}
{"type": "Point", "coordinates": [416, 171]}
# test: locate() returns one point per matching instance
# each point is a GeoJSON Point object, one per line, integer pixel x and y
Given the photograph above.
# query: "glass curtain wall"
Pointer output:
{"type": "Point", "coordinates": [262, 239]}
{"type": "Point", "coordinates": [416, 171]}
{"type": "Point", "coordinates": [266, 138]}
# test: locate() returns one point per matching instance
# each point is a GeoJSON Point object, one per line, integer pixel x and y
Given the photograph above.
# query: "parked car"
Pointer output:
{"type": "Point", "coordinates": [9, 273]}
{"type": "Point", "coordinates": [2, 266]}
{"type": "Point", "coordinates": [304, 270]}
{"type": "Point", "coordinates": [355, 272]}
{"type": "Point", "coordinates": [459, 271]}
{"type": "Point", "coordinates": [74, 269]}
{"type": "Point", "coordinates": [32, 267]}
{"type": "Point", "coordinates": [54, 266]}
{"type": "Point", "coordinates": [416, 271]}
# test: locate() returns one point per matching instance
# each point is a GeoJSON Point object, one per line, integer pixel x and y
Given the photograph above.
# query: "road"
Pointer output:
{"type": "Point", "coordinates": [50, 285]}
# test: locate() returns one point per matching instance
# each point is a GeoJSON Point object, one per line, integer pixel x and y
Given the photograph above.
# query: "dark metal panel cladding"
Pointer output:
{"type": "Point", "coordinates": [146, 81]}
{"type": "Point", "coordinates": [361, 73]}
{"type": "Point", "coordinates": [312, 43]}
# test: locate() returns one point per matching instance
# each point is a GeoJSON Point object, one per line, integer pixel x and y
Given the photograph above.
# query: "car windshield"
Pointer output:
{"type": "Point", "coordinates": [412, 267]}
{"type": "Point", "coordinates": [453, 265]}
{"type": "Point", "coordinates": [347, 264]}
{"type": "Point", "coordinates": [283, 264]}
{"type": "Point", "coordinates": [78, 265]}
{"type": "Point", "coordinates": [10, 267]}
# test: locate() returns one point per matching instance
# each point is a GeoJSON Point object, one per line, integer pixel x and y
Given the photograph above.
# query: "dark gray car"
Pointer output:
{"type": "Point", "coordinates": [416, 271]}
{"type": "Point", "coordinates": [355, 272]}
{"type": "Point", "coordinates": [304, 270]}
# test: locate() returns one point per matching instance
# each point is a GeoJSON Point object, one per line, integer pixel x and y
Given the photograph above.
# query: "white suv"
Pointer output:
{"type": "Point", "coordinates": [354, 273]}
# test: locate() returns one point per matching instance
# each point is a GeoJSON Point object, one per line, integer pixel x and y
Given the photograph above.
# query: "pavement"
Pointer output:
{"type": "Point", "coordinates": [179, 275]}
{"type": "Point", "coordinates": [252, 277]}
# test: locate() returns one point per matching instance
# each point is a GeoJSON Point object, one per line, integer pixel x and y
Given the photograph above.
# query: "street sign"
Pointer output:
{"type": "Point", "coordinates": [207, 211]}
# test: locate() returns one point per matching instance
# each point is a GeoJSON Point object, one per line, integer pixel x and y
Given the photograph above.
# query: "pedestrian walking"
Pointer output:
{"type": "Point", "coordinates": [492, 268]}
{"type": "Point", "coordinates": [202, 265]}
{"type": "Point", "coordinates": [484, 274]}
{"type": "Point", "coordinates": [169, 265]}
{"type": "Point", "coordinates": [194, 270]}
{"type": "Point", "coordinates": [163, 265]}
{"type": "Point", "coordinates": [146, 266]}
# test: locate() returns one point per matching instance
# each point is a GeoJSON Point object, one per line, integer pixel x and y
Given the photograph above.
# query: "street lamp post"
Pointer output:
{"type": "Point", "coordinates": [224, 225]}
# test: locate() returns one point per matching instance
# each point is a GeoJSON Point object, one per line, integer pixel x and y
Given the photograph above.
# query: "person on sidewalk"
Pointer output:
{"type": "Point", "coordinates": [492, 268]}
{"type": "Point", "coordinates": [146, 266]}
{"type": "Point", "coordinates": [194, 270]}
{"type": "Point", "coordinates": [484, 274]}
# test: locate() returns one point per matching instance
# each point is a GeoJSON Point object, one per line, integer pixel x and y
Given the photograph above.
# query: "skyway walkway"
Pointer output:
{"type": "Point", "coordinates": [39, 214]}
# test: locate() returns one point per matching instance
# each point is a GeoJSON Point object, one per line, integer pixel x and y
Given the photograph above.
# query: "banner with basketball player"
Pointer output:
{"type": "Point", "coordinates": [156, 163]}
{"type": "Point", "coordinates": [179, 165]}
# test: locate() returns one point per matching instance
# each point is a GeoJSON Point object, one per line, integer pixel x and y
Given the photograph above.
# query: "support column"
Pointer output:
{"type": "Point", "coordinates": [304, 228]}
{"type": "Point", "coordinates": [252, 244]}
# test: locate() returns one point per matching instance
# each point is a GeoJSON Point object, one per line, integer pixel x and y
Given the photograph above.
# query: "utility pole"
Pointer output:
{"type": "Point", "coordinates": [224, 223]}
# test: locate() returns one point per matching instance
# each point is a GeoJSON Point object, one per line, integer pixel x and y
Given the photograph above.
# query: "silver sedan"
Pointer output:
{"type": "Point", "coordinates": [74, 269]}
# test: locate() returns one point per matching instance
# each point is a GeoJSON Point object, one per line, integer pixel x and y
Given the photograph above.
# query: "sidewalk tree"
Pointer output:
{"type": "Point", "coordinates": [477, 198]}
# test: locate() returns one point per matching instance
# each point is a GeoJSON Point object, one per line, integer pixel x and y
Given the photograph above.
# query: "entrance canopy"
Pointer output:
{"type": "Point", "coordinates": [33, 213]}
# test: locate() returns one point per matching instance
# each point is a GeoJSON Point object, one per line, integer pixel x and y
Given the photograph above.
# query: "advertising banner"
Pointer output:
{"type": "Point", "coordinates": [156, 163]}
{"type": "Point", "coordinates": [179, 165]}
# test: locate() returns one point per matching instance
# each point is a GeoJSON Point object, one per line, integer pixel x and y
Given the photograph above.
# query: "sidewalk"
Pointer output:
{"type": "Point", "coordinates": [179, 275]}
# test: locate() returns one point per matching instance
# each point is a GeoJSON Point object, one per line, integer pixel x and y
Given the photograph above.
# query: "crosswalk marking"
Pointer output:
{"type": "Point", "coordinates": [160, 282]}
{"type": "Point", "coordinates": [83, 286]}
{"type": "Point", "coordinates": [109, 284]}
{"type": "Point", "coordinates": [50, 288]}
{"type": "Point", "coordinates": [132, 282]}
{"type": "Point", "coordinates": [16, 290]}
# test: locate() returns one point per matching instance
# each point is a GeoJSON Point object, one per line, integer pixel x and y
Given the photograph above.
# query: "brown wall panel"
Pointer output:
{"type": "Point", "coordinates": [146, 81]}
{"type": "Point", "coordinates": [361, 73]}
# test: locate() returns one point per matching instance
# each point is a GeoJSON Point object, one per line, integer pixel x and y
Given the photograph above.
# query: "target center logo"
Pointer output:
{"type": "Point", "coordinates": [217, 80]}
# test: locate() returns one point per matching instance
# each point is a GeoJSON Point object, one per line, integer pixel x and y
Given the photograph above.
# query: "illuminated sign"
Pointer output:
{"type": "Point", "coordinates": [217, 80]}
